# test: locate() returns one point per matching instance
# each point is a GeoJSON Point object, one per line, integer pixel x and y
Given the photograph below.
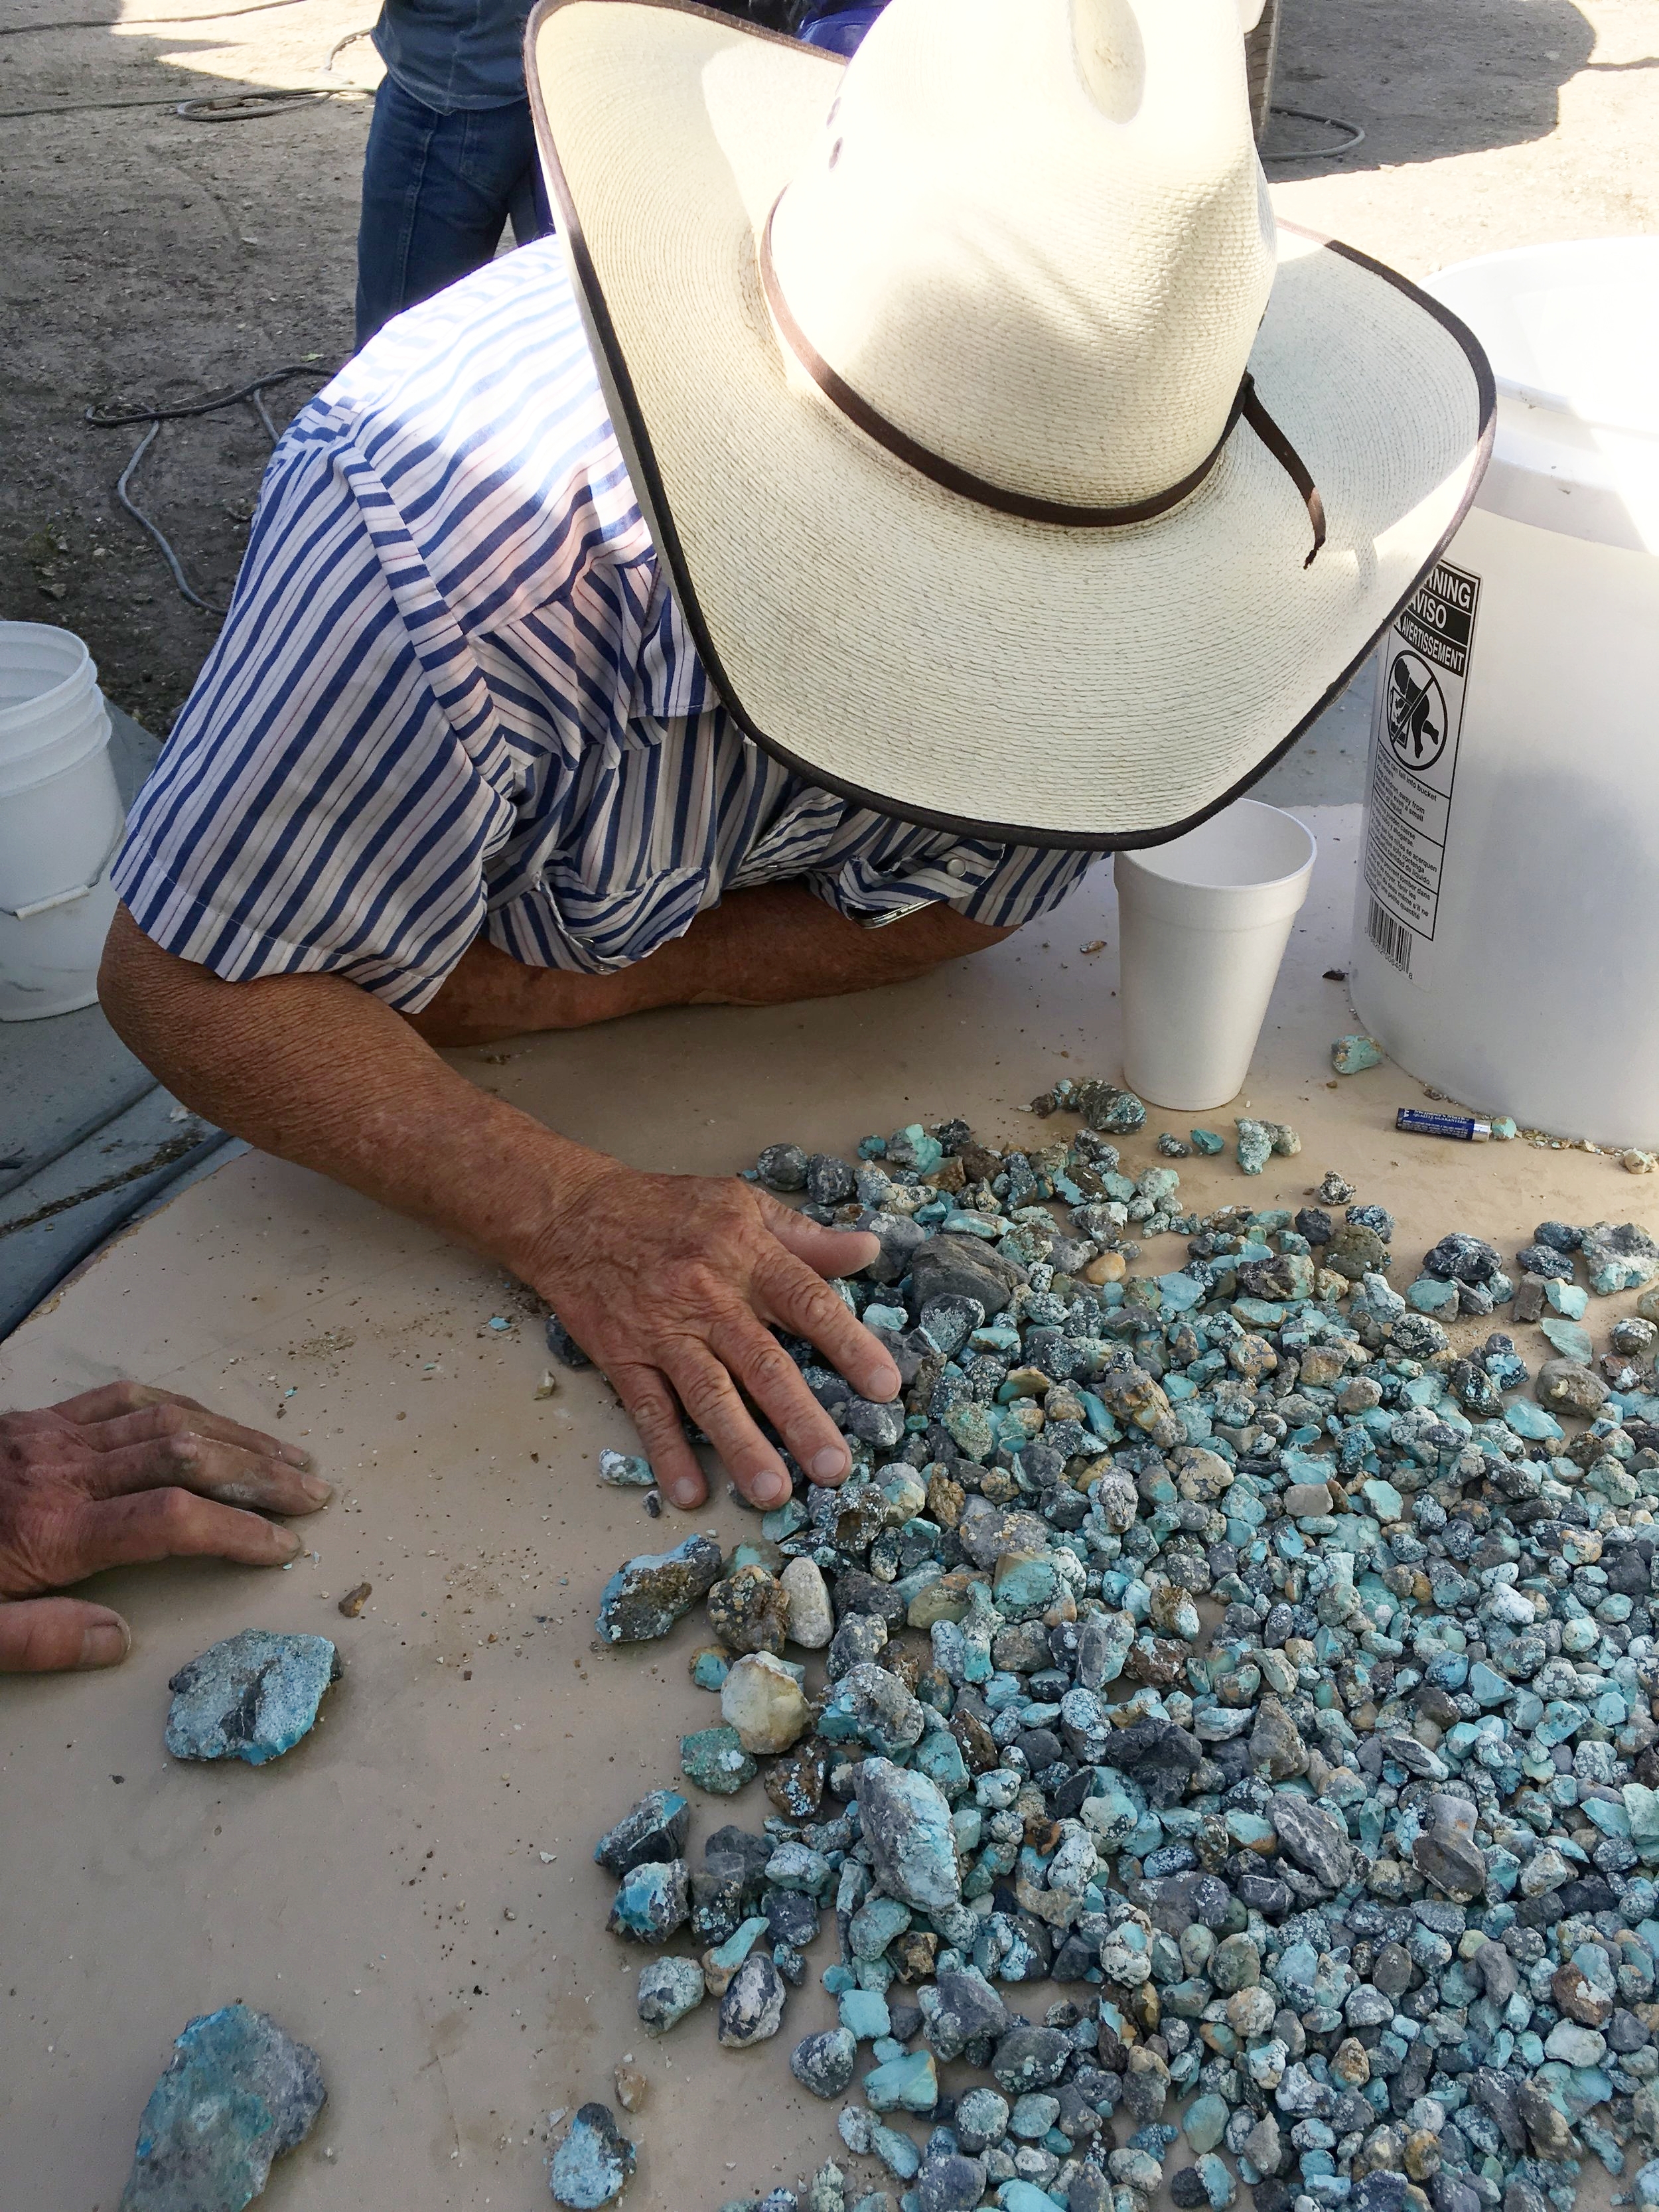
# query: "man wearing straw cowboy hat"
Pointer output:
{"type": "Point", "coordinates": [930, 503]}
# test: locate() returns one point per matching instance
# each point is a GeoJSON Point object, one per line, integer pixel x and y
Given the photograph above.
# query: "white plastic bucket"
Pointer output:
{"type": "Point", "coordinates": [1203, 922]}
{"type": "Point", "coordinates": [60, 821]}
{"type": "Point", "coordinates": [1504, 951]}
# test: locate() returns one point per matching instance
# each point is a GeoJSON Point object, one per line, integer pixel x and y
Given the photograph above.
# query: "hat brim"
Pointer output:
{"type": "Point", "coordinates": [906, 647]}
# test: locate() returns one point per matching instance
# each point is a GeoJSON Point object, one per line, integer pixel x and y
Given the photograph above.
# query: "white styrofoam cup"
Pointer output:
{"type": "Point", "coordinates": [1203, 923]}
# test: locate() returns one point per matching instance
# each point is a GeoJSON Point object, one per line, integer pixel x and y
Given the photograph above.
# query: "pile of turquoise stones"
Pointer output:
{"type": "Point", "coordinates": [1220, 1655]}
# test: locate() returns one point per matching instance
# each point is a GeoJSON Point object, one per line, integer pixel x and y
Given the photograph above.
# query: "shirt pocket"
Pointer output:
{"type": "Point", "coordinates": [610, 926]}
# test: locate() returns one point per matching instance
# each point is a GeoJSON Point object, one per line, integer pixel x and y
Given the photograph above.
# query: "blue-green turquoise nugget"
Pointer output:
{"type": "Point", "coordinates": [1255, 1146]}
{"type": "Point", "coordinates": [594, 2163]}
{"type": "Point", "coordinates": [714, 1759]}
{"type": "Point", "coordinates": [1352, 1055]}
{"type": "Point", "coordinates": [236, 2095]}
{"type": "Point", "coordinates": [651, 1901]}
{"type": "Point", "coordinates": [625, 1471]}
{"type": "Point", "coordinates": [252, 1698]}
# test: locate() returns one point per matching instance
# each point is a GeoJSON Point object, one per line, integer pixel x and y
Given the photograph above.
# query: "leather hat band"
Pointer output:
{"type": "Point", "coordinates": [1247, 404]}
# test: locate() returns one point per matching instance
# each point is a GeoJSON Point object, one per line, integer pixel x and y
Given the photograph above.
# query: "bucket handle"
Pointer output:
{"type": "Point", "coordinates": [64, 898]}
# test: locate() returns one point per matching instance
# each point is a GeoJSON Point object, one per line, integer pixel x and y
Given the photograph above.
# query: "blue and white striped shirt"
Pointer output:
{"type": "Point", "coordinates": [454, 694]}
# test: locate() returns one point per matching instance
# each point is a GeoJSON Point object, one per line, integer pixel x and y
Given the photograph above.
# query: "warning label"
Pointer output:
{"type": "Point", "coordinates": [1419, 712]}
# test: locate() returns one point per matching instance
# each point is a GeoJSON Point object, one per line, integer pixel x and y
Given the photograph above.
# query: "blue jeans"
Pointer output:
{"type": "Point", "coordinates": [437, 193]}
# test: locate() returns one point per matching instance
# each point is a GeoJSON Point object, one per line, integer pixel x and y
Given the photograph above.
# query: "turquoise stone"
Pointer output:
{"type": "Point", "coordinates": [906, 2084]}
{"type": "Point", "coordinates": [237, 2092]}
{"type": "Point", "coordinates": [252, 1698]}
{"type": "Point", "coordinates": [1535, 1423]}
{"type": "Point", "coordinates": [1383, 1498]}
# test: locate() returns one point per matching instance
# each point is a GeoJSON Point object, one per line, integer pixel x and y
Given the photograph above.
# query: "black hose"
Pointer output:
{"type": "Point", "coordinates": [138, 23]}
{"type": "Point", "coordinates": [113, 419]}
{"type": "Point", "coordinates": [103, 418]}
{"type": "Point", "coordinates": [217, 107]}
{"type": "Point", "coordinates": [1356, 136]}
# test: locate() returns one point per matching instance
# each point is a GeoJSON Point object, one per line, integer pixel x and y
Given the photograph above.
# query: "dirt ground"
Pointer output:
{"type": "Point", "coordinates": [153, 258]}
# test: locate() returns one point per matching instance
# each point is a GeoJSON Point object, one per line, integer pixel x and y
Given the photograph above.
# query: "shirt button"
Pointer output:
{"type": "Point", "coordinates": [955, 868]}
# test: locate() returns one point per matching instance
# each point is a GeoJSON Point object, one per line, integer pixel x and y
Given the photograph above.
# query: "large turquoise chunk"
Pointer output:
{"type": "Point", "coordinates": [1205, 2123]}
{"type": "Point", "coordinates": [653, 1900]}
{"type": "Point", "coordinates": [237, 2092]}
{"type": "Point", "coordinates": [1535, 1423]}
{"type": "Point", "coordinates": [1488, 1686]}
{"type": "Point", "coordinates": [251, 1698]}
{"type": "Point", "coordinates": [1384, 1500]}
{"type": "Point", "coordinates": [939, 1756]}
{"type": "Point", "coordinates": [594, 2163]}
{"type": "Point", "coordinates": [909, 2084]}
{"type": "Point", "coordinates": [1569, 1339]}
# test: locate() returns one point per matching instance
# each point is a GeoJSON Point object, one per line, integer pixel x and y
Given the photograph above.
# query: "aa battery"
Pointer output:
{"type": "Point", "coordinates": [1462, 1126]}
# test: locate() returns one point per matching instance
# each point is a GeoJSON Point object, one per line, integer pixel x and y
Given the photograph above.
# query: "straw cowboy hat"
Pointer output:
{"type": "Point", "coordinates": [984, 423]}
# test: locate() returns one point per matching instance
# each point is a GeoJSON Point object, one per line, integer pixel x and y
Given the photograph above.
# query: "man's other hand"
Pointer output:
{"type": "Point", "coordinates": [669, 1282]}
{"type": "Point", "coordinates": [117, 1476]}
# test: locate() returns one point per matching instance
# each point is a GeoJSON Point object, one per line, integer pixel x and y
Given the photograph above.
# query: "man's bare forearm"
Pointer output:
{"type": "Point", "coordinates": [768, 946]}
{"type": "Point", "coordinates": [321, 1072]}
{"type": "Point", "coordinates": [671, 1283]}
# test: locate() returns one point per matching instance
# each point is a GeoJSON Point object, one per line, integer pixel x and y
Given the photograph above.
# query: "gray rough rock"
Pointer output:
{"type": "Point", "coordinates": [824, 2063]}
{"type": "Point", "coordinates": [1096, 1647]}
{"type": "Point", "coordinates": [1565, 1387]}
{"type": "Point", "coordinates": [900, 1239]}
{"type": "Point", "coordinates": [1460, 1258]}
{"type": "Point", "coordinates": [907, 1825]}
{"type": "Point", "coordinates": [666, 1991]}
{"type": "Point", "coordinates": [1499, 1976]}
{"type": "Point", "coordinates": [1446, 1853]}
{"type": "Point", "coordinates": [1030, 2058]}
{"type": "Point", "coordinates": [1276, 1747]}
{"type": "Point", "coordinates": [961, 2007]}
{"type": "Point", "coordinates": [954, 2183]}
{"type": "Point", "coordinates": [986, 1535]}
{"type": "Point", "coordinates": [655, 1828]}
{"type": "Point", "coordinates": [647, 1595]}
{"type": "Point", "coordinates": [1546, 2125]}
{"type": "Point", "coordinates": [1264, 2146]}
{"type": "Point", "coordinates": [752, 2007]}
{"type": "Point", "coordinates": [1314, 1837]}
{"type": "Point", "coordinates": [963, 1268]}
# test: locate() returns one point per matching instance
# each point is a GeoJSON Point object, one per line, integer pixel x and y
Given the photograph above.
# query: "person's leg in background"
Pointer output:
{"type": "Point", "coordinates": [437, 191]}
{"type": "Point", "coordinates": [529, 207]}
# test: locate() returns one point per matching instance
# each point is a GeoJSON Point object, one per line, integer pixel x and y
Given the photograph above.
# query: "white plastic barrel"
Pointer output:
{"type": "Point", "coordinates": [60, 821]}
{"type": "Point", "coordinates": [1504, 949]}
{"type": "Point", "coordinates": [1202, 926]}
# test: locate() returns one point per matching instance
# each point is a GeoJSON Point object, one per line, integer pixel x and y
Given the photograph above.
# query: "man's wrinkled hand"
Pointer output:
{"type": "Point", "coordinates": [119, 1476]}
{"type": "Point", "coordinates": [669, 1283]}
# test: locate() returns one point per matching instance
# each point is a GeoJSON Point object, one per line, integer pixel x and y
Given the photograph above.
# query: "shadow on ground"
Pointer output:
{"type": "Point", "coordinates": [1423, 79]}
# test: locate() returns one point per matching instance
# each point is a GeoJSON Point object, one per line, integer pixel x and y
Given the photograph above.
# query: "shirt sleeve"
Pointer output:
{"type": "Point", "coordinates": [337, 781]}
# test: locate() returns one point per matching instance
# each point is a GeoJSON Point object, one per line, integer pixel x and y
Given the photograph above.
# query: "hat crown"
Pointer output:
{"type": "Point", "coordinates": [1035, 236]}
